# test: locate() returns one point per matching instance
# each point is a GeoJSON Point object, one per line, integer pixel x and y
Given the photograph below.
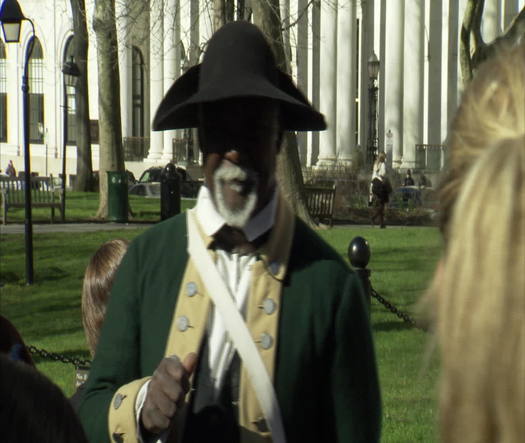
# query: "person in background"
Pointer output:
{"type": "Point", "coordinates": [408, 181]}
{"type": "Point", "coordinates": [10, 169]}
{"type": "Point", "coordinates": [476, 301]}
{"type": "Point", "coordinates": [34, 409]}
{"type": "Point", "coordinates": [98, 279]}
{"type": "Point", "coordinates": [424, 181]}
{"type": "Point", "coordinates": [380, 189]}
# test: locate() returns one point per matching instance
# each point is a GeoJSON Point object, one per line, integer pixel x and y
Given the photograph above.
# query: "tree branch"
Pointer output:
{"type": "Point", "coordinates": [464, 48]}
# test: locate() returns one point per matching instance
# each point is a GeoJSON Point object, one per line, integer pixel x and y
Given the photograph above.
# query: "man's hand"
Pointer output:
{"type": "Point", "coordinates": [166, 391]}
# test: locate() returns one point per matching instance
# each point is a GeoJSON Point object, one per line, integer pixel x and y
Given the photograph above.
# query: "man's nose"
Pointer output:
{"type": "Point", "coordinates": [233, 155]}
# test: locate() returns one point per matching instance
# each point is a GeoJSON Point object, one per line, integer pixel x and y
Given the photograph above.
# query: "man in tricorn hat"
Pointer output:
{"type": "Point", "coordinates": [235, 322]}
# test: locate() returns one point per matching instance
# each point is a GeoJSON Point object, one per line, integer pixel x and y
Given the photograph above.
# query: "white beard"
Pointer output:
{"type": "Point", "coordinates": [238, 217]}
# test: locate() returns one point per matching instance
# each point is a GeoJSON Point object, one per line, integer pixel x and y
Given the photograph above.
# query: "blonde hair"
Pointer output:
{"type": "Point", "coordinates": [480, 302]}
{"type": "Point", "coordinates": [98, 280]}
{"type": "Point", "coordinates": [492, 108]}
{"type": "Point", "coordinates": [478, 293]}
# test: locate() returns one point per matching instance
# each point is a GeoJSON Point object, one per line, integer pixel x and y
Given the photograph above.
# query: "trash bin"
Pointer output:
{"type": "Point", "coordinates": [170, 182]}
{"type": "Point", "coordinates": [117, 196]}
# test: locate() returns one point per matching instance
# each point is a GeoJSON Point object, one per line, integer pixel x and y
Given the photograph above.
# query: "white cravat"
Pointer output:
{"type": "Point", "coordinates": [236, 270]}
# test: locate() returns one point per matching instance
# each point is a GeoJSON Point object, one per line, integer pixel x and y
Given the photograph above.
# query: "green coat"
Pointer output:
{"type": "Point", "coordinates": [325, 373]}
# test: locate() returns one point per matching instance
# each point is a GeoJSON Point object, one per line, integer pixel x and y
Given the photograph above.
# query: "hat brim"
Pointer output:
{"type": "Point", "coordinates": [180, 107]}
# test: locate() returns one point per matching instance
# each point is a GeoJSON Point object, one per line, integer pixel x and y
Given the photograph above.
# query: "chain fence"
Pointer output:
{"type": "Point", "coordinates": [395, 310]}
{"type": "Point", "coordinates": [77, 362]}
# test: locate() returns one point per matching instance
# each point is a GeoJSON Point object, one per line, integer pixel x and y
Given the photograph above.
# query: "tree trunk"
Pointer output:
{"type": "Point", "coordinates": [267, 16]}
{"type": "Point", "coordinates": [473, 49]}
{"type": "Point", "coordinates": [110, 129]}
{"type": "Point", "coordinates": [84, 181]}
{"type": "Point", "coordinates": [219, 14]}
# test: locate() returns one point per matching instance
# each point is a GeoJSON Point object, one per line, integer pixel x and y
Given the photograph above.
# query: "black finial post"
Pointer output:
{"type": "Point", "coordinates": [170, 183]}
{"type": "Point", "coordinates": [359, 256]}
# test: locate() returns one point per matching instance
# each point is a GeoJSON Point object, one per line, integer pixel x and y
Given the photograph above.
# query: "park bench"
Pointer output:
{"type": "Point", "coordinates": [44, 194]}
{"type": "Point", "coordinates": [320, 202]}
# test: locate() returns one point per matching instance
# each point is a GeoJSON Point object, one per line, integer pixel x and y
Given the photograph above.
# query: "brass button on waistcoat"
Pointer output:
{"type": "Point", "coordinates": [269, 306]}
{"type": "Point", "coordinates": [191, 289]}
{"type": "Point", "coordinates": [266, 340]}
{"type": "Point", "coordinates": [274, 267]}
{"type": "Point", "coordinates": [183, 323]}
{"type": "Point", "coordinates": [118, 400]}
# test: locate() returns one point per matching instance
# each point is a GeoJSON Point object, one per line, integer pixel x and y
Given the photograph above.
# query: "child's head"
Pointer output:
{"type": "Point", "coordinates": [11, 342]}
{"type": "Point", "coordinates": [98, 280]}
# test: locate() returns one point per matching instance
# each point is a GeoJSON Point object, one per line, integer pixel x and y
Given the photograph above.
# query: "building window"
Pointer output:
{"type": "Point", "coordinates": [36, 93]}
{"type": "Point", "coordinates": [70, 99]}
{"type": "Point", "coordinates": [137, 91]}
{"type": "Point", "coordinates": [3, 94]}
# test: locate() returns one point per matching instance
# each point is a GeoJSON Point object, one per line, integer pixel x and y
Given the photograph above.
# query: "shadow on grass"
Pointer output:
{"type": "Point", "coordinates": [394, 325]}
{"type": "Point", "coordinates": [10, 278]}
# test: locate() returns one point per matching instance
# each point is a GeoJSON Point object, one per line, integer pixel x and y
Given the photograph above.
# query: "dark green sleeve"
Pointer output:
{"type": "Point", "coordinates": [353, 375]}
{"type": "Point", "coordinates": [117, 355]}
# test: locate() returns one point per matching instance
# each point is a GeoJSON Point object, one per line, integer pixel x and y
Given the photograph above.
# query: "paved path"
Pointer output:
{"type": "Point", "coordinates": [109, 226]}
{"type": "Point", "coordinates": [71, 227]}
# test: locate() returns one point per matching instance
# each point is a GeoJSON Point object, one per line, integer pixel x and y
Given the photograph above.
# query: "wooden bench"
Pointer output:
{"type": "Point", "coordinates": [320, 202]}
{"type": "Point", "coordinates": [44, 194]}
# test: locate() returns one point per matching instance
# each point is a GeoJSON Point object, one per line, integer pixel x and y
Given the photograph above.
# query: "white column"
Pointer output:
{"type": "Point", "coordinates": [367, 46]}
{"type": "Point", "coordinates": [316, 77]}
{"type": "Point", "coordinates": [462, 4]}
{"type": "Point", "coordinates": [156, 75]}
{"type": "Point", "coordinates": [452, 59]}
{"type": "Point", "coordinates": [124, 59]}
{"type": "Point", "coordinates": [510, 11]}
{"type": "Point", "coordinates": [302, 69]}
{"type": "Point", "coordinates": [394, 80]}
{"type": "Point", "coordinates": [444, 72]}
{"type": "Point", "coordinates": [413, 80]}
{"type": "Point", "coordinates": [12, 148]}
{"type": "Point", "coordinates": [328, 103]}
{"type": "Point", "coordinates": [379, 47]}
{"type": "Point", "coordinates": [434, 73]}
{"type": "Point", "coordinates": [491, 24]}
{"type": "Point", "coordinates": [346, 82]}
{"type": "Point", "coordinates": [194, 59]}
{"type": "Point", "coordinates": [170, 67]}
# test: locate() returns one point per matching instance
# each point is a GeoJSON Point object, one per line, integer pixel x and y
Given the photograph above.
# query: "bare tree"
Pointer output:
{"type": "Point", "coordinates": [110, 128]}
{"type": "Point", "coordinates": [84, 181]}
{"type": "Point", "coordinates": [473, 49]}
{"type": "Point", "coordinates": [267, 16]}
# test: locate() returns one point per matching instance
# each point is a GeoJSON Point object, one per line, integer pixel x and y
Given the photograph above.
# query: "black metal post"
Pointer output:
{"type": "Point", "coordinates": [359, 256]}
{"type": "Point", "coordinates": [372, 122]}
{"type": "Point", "coordinates": [170, 187]}
{"type": "Point", "coordinates": [28, 222]}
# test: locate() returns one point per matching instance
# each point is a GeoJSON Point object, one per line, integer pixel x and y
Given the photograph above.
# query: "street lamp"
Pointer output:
{"type": "Point", "coordinates": [71, 74]}
{"type": "Point", "coordinates": [11, 18]}
{"type": "Point", "coordinates": [373, 72]}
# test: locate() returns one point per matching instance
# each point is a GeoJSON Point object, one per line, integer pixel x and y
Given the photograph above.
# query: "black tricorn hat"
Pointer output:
{"type": "Point", "coordinates": [238, 63]}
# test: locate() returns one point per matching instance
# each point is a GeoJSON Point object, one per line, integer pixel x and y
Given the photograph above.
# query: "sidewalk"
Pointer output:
{"type": "Point", "coordinates": [110, 226]}
{"type": "Point", "coordinates": [71, 227]}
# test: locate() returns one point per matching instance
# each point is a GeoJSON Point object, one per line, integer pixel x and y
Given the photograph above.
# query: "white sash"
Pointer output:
{"type": "Point", "coordinates": [237, 330]}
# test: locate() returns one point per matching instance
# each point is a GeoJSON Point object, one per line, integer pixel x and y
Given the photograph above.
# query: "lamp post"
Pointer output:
{"type": "Point", "coordinates": [373, 71]}
{"type": "Point", "coordinates": [11, 18]}
{"type": "Point", "coordinates": [71, 74]}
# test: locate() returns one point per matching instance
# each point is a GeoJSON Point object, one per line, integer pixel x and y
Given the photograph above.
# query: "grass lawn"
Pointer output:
{"type": "Point", "coordinates": [82, 207]}
{"type": "Point", "coordinates": [48, 313]}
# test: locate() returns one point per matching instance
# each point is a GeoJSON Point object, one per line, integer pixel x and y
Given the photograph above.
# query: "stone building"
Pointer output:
{"type": "Point", "coordinates": [329, 44]}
